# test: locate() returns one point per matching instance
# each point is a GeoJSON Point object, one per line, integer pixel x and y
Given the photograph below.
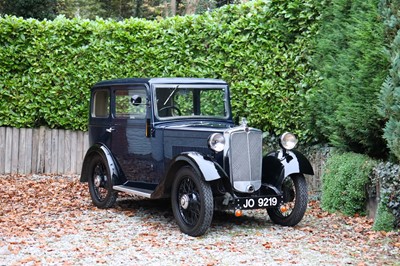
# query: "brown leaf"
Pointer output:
{"type": "Point", "coordinates": [267, 245]}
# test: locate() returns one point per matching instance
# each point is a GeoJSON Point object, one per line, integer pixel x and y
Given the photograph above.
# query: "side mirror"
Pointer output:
{"type": "Point", "coordinates": [136, 100]}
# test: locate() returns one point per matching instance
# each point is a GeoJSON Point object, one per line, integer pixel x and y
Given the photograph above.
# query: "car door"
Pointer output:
{"type": "Point", "coordinates": [100, 116]}
{"type": "Point", "coordinates": [129, 143]}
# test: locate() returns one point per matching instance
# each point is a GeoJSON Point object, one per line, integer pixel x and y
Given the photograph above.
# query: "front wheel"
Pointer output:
{"type": "Point", "coordinates": [100, 184]}
{"type": "Point", "coordinates": [192, 202]}
{"type": "Point", "coordinates": [295, 198]}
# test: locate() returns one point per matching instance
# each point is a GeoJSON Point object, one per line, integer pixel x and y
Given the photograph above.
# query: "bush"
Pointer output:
{"type": "Point", "coordinates": [349, 55]}
{"type": "Point", "coordinates": [344, 183]}
{"type": "Point", "coordinates": [385, 219]}
{"type": "Point", "coordinates": [389, 97]}
{"type": "Point", "coordinates": [387, 175]}
{"type": "Point", "coordinates": [261, 48]}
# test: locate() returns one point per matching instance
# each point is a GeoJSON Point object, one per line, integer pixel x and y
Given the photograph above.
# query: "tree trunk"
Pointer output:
{"type": "Point", "coordinates": [191, 6]}
{"type": "Point", "coordinates": [173, 7]}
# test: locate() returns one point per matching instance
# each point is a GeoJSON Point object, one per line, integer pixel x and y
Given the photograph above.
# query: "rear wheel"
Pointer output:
{"type": "Point", "coordinates": [192, 202]}
{"type": "Point", "coordinates": [295, 198]}
{"type": "Point", "coordinates": [100, 184]}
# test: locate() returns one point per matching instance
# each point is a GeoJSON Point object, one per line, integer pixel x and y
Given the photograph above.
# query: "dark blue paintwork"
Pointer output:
{"type": "Point", "coordinates": [149, 149]}
{"type": "Point", "coordinates": [148, 158]}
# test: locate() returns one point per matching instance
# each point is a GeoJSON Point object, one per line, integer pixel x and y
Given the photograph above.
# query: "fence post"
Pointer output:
{"type": "Point", "coordinates": [2, 150]}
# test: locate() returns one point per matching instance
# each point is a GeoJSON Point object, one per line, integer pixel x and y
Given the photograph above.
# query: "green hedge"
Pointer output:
{"type": "Point", "coordinates": [344, 183]}
{"type": "Point", "coordinates": [261, 48]}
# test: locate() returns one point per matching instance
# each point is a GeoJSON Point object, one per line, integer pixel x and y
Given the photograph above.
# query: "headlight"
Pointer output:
{"type": "Point", "coordinates": [288, 141]}
{"type": "Point", "coordinates": [216, 142]}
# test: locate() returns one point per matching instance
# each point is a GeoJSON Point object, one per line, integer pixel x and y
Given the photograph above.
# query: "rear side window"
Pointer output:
{"type": "Point", "coordinates": [101, 104]}
{"type": "Point", "coordinates": [130, 103]}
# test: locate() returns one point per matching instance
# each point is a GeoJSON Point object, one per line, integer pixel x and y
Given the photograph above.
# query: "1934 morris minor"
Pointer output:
{"type": "Point", "coordinates": [175, 138]}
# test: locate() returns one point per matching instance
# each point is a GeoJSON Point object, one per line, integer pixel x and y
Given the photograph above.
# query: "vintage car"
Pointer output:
{"type": "Point", "coordinates": [176, 138]}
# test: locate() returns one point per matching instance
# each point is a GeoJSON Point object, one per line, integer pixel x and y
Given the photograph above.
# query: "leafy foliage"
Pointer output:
{"type": "Point", "coordinates": [388, 176]}
{"type": "Point", "coordinates": [384, 218]}
{"type": "Point", "coordinates": [344, 183]}
{"type": "Point", "coordinates": [261, 48]}
{"type": "Point", "coordinates": [389, 97]}
{"type": "Point", "coordinates": [349, 55]}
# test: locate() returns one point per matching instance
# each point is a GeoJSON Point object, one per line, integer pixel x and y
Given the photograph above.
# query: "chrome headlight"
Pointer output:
{"type": "Point", "coordinates": [216, 142]}
{"type": "Point", "coordinates": [288, 141]}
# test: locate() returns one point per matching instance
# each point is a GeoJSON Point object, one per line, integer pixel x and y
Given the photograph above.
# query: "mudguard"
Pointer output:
{"type": "Point", "coordinates": [107, 156]}
{"type": "Point", "coordinates": [205, 167]}
{"type": "Point", "coordinates": [208, 169]}
{"type": "Point", "coordinates": [280, 164]}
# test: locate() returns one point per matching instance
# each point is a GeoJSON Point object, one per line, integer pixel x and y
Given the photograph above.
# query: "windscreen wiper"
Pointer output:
{"type": "Point", "coordinates": [172, 93]}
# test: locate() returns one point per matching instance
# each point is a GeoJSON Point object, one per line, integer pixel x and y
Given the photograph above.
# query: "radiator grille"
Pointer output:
{"type": "Point", "coordinates": [245, 157]}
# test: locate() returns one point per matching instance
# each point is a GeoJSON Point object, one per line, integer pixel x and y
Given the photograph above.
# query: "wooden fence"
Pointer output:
{"type": "Point", "coordinates": [42, 150]}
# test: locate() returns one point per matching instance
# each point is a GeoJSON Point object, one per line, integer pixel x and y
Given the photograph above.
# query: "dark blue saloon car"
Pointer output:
{"type": "Point", "coordinates": [176, 138]}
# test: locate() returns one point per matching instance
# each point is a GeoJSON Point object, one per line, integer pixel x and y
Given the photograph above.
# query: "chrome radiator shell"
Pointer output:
{"type": "Point", "coordinates": [244, 151]}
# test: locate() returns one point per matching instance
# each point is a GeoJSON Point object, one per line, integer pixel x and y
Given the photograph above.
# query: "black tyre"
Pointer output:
{"type": "Point", "coordinates": [295, 199]}
{"type": "Point", "coordinates": [100, 184]}
{"type": "Point", "coordinates": [192, 202]}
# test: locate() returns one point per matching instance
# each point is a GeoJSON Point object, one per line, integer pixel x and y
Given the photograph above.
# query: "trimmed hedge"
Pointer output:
{"type": "Point", "coordinates": [261, 48]}
{"type": "Point", "coordinates": [344, 183]}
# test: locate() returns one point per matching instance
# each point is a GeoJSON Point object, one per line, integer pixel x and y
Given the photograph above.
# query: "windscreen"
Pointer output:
{"type": "Point", "coordinates": [190, 101]}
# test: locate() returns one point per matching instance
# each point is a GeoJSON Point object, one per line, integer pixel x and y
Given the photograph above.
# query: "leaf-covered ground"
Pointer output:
{"type": "Point", "coordinates": [49, 220]}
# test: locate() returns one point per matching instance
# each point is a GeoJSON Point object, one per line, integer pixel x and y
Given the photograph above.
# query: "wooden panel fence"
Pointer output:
{"type": "Point", "coordinates": [42, 150]}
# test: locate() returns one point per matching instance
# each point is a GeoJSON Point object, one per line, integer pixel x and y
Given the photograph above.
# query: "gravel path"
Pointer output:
{"type": "Point", "coordinates": [49, 220]}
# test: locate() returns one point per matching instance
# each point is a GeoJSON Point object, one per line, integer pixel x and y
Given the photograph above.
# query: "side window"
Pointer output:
{"type": "Point", "coordinates": [101, 104]}
{"type": "Point", "coordinates": [130, 103]}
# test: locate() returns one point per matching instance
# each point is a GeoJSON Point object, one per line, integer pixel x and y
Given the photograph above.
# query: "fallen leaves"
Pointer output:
{"type": "Point", "coordinates": [36, 209]}
{"type": "Point", "coordinates": [29, 204]}
{"type": "Point", "coordinates": [356, 230]}
{"type": "Point", "coordinates": [267, 245]}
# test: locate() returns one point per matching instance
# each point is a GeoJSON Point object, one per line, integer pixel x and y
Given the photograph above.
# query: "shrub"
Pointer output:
{"type": "Point", "coordinates": [385, 219]}
{"type": "Point", "coordinates": [389, 96]}
{"type": "Point", "coordinates": [349, 55]}
{"type": "Point", "coordinates": [387, 175]}
{"type": "Point", "coordinates": [344, 183]}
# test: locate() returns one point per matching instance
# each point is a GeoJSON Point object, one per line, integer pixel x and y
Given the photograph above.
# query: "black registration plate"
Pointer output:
{"type": "Point", "coordinates": [258, 202]}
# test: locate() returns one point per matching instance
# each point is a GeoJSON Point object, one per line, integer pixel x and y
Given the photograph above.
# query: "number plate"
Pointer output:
{"type": "Point", "coordinates": [258, 202]}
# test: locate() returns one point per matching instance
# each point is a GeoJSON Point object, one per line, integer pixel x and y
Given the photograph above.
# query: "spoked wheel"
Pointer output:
{"type": "Point", "coordinates": [294, 204]}
{"type": "Point", "coordinates": [192, 202]}
{"type": "Point", "coordinates": [100, 185]}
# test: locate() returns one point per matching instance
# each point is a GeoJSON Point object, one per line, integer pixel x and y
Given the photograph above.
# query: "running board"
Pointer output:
{"type": "Point", "coordinates": [134, 191]}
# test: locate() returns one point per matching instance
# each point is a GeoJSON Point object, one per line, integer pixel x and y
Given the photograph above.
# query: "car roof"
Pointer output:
{"type": "Point", "coordinates": [124, 81]}
{"type": "Point", "coordinates": [129, 81]}
{"type": "Point", "coordinates": [186, 80]}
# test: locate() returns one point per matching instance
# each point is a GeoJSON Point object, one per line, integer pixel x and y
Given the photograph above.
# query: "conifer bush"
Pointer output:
{"type": "Point", "coordinates": [349, 56]}
{"type": "Point", "coordinates": [389, 97]}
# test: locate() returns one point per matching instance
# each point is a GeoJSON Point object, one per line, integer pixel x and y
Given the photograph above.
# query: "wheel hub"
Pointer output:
{"type": "Point", "coordinates": [97, 181]}
{"type": "Point", "coordinates": [184, 201]}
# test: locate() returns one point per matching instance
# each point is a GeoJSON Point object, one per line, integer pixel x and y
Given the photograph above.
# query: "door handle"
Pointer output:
{"type": "Point", "coordinates": [109, 130]}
